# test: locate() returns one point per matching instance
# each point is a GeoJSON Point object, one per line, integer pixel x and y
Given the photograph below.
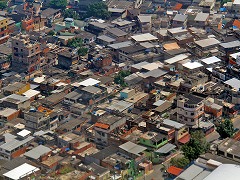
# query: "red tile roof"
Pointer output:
{"type": "Point", "coordinates": [185, 139]}
{"type": "Point", "coordinates": [101, 125]}
{"type": "Point", "coordinates": [177, 7]}
{"type": "Point", "coordinates": [174, 170]}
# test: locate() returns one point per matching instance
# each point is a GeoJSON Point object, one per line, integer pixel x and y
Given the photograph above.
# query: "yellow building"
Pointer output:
{"type": "Point", "coordinates": [16, 88]}
{"type": "Point", "coordinates": [4, 33]}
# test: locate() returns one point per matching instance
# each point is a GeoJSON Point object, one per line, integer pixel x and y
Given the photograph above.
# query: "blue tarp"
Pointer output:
{"type": "Point", "coordinates": [223, 9]}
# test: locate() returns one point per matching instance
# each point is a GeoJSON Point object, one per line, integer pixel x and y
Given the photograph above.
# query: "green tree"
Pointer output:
{"type": "Point", "coordinates": [51, 33]}
{"type": "Point", "coordinates": [82, 51]}
{"type": "Point", "coordinates": [69, 13]}
{"type": "Point", "coordinates": [119, 78]}
{"type": "Point", "coordinates": [3, 5]}
{"type": "Point", "coordinates": [180, 162]}
{"type": "Point", "coordinates": [98, 10]}
{"type": "Point", "coordinates": [196, 146]}
{"type": "Point", "coordinates": [225, 128]}
{"type": "Point", "coordinates": [74, 43]}
{"type": "Point", "coordinates": [58, 4]}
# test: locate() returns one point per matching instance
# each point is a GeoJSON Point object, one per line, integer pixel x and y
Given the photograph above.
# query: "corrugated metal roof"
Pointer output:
{"type": "Point", "coordinates": [37, 152]}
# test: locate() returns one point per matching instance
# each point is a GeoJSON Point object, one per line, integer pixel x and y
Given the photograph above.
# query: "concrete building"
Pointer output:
{"type": "Point", "coordinates": [105, 125]}
{"type": "Point", "coordinates": [190, 109]}
{"type": "Point", "coordinates": [14, 146]}
{"type": "Point", "coordinates": [26, 53]}
{"type": "Point", "coordinates": [36, 121]}
{"type": "Point", "coordinates": [4, 29]}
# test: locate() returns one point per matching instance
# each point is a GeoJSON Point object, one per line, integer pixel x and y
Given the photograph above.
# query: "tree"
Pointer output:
{"type": "Point", "coordinates": [82, 51]}
{"type": "Point", "coordinates": [58, 4]}
{"type": "Point", "coordinates": [98, 10]}
{"type": "Point", "coordinates": [51, 33]}
{"type": "Point", "coordinates": [180, 162]}
{"type": "Point", "coordinates": [225, 128]}
{"type": "Point", "coordinates": [119, 78]}
{"type": "Point", "coordinates": [3, 5]}
{"type": "Point", "coordinates": [69, 13]}
{"type": "Point", "coordinates": [74, 43]}
{"type": "Point", "coordinates": [196, 146]}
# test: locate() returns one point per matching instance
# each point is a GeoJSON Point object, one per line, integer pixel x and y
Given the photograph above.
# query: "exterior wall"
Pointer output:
{"type": "Point", "coordinates": [4, 30]}
{"type": "Point", "coordinates": [150, 143]}
{"type": "Point", "coordinates": [28, 25]}
{"type": "Point", "coordinates": [181, 133]}
{"type": "Point", "coordinates": [26, 53]}
{"type": "Point", "coordinates": [216, 113]}
{"type": "Point", "coordinates": [187, 115]}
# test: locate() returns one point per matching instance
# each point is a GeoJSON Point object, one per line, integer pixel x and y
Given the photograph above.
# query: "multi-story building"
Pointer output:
{"type": "Point", "coordinates": [107, 125]}
{"type": "Point", "coordinates": [36, 121]}
{"type": "Point", "coordinates": [16, 145]}
{"type": "Point", "coordinates": [4, 29]}
{"type": "Point", "coordinates": [33, 23]}
{"type": "Point", "coordinates": [190, 109]}
{"type": "Point", "coordinates": [25, 53]}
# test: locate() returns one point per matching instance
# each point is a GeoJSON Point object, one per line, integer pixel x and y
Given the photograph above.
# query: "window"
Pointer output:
{"type": "Point", "coordinates": [229, 155]}
{"type": "Point", "coordinates": [192, 113]}
{"type": "Point", "coordinates": [192, 120]}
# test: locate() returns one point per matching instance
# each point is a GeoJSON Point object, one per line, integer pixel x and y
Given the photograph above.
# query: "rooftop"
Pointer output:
{"type": "Point", "coordinates": [174, 124]}
{"type": "Point", "coordinates": [201, 17]}
{"type": "Point", "coordinates": [144, 18]}
{"type": "Point", "coordinates": [234, 83]}
{"type": "Point", "coordinates": [144, 37]}
{"type": "Point", "coordinates": [180, 17]}
{"type": "Point", "coordinates": [11, 145]}
{"type": "Point", "coordinates": [225, 171]}
{"type": "Point", "coordinates": [192, 65]}
{"type": "Point", "coordinates": [120, 45]}
{"type": "Point", "coordinates": [132, 148]}
{"type": "Point", "coordinates": [120, 106]}
{"type": "Point", "coordinates": [211, 60]}
{"type": "Point", "coordinates": [21, 171]}
{"type": "Point", "coordinates": [37, 152]}
{"type": "Point", "coordinates": [207, 42]}
{"type": "Point", "coordinates": [175, 59]}
{"type": "Point", "coordinates": [89, 82]}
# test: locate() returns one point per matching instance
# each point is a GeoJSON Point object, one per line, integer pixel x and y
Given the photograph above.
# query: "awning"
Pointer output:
{"type": "Point", "coordinates": [184, 139]}
{"type": "Point", "coordinates": [166, 148]}
{"type": "Point", "coordinates": [174, 170]}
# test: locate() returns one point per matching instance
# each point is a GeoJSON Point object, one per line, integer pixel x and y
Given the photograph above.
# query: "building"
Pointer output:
{"type": "Point", "coordinates": [105, 125]}
{"type": "Point", "coordinates": [229, 149]}
{"type": "Point", "coordinates": [236, 6]}
{"type": "Point", "coordinates": [206, 47]}
{"type": "Point", "coordinates": [153, 140]}
{"type": "Point", "coordinates": [181, 133]}
{"type": "Point", "coordinates": [16, 101]}
{"type": "Point", "coordinates": [207, 5]}
{"type": "Point", "coordinates": [16, 88]}
{"type": "Point", "coordinates": [190, 109]}
{"type": "Point", "coordinates": [33, 23]}
{"type": "Point", "coordinates": [67, 58]}
{"type": "Point", "coordinates": [23, 171]}
{"type": "Point", "coordinates": [227, 48]}
{"type": "Point", "coordinates": [201, 20]}
{"type": "Point", "coordinates": [4, 31]}
{"type": "Point", "coordinates": [145, 22]}
{"type": "Point", "coordinates": [36, 121]}
{"type": "Point", "coordinates": [14, 146]}
{"type": "Point", "coordinates": [26, 53]}
{"type": "Point", "coordinates": [179, 20]}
